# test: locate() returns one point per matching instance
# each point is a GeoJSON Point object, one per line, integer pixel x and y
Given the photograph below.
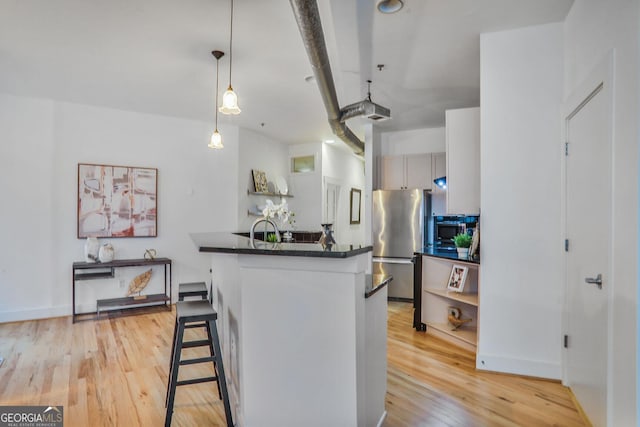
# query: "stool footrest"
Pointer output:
{"type": "Point", "coordinates": [197, 381]}
{"type": "Point", "coordinates": [197, 360]}
{"type": "Point", "coordinates": [197, 343]}
{"type": "Point", "coordinates": [196, 325]}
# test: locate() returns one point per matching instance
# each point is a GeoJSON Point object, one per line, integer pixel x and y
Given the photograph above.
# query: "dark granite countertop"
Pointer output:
{"type": "Point", "coordinates": [452, 255]}
{"type": "Point", "coordinates": [230, 243]}
{"type": "Point", "coordinates": [375, 282]}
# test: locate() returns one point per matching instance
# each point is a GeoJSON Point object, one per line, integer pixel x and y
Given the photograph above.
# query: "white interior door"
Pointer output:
{"type": "Point", "coordinates": [331, 199]}
{"type": "Point", "coordinates": [588, 230]}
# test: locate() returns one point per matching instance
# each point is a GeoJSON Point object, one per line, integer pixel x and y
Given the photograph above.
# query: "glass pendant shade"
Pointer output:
{"type": "Point", "coordinates": [230, 102]}
{"type": "Point", "coordinates": [216, 140]}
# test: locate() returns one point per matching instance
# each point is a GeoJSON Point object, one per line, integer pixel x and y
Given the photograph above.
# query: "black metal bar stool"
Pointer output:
{"type": "Point", "coordinates": [188, 312]}
{"type": "Point", "coordinates": [192, 289]}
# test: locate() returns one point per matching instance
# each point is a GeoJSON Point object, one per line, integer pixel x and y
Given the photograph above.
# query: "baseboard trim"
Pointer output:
{"type": "Point", "coordinates": [34, 314]}
{"type": "Point", "coordinates": [399, 299]}
{"type": "Point", "coordinates": [382, 418]}
{"type": "Point", "coordinates": [583, 415]}
{"type": "Point", "coordinates": [523, 367]}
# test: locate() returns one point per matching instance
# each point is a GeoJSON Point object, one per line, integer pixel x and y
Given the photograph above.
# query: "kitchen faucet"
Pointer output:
{"type": "Point", "coordinates": [266, 220]}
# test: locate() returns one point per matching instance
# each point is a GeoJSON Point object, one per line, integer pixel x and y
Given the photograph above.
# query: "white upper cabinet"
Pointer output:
{"type": "Point", "coordinates": [463, 161]}
{"type": "Point", "coordinates": [393, 173]}
{"type": "Point", "coordinates": [405, 172]}
{"type": "Point", "coordinates": [419, 171]}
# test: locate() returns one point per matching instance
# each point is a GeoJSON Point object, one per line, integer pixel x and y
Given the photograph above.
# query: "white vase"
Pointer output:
{"type": "Point", "coordinates": [463, 253]}
{"type": "Point", "coordinates": [91, 248]}
{"type": "Point", "coordinates": [106, 253]}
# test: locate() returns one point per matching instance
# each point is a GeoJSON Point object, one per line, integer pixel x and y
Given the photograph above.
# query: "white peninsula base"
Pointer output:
{"type": "Point", "coordinates": [302, 345]}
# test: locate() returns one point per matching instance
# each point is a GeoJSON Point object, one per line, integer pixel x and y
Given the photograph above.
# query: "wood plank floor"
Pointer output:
{"type": "Point", "coordinates": [113, 372]}
{"type": "Point", "coordinates": [431, 383]}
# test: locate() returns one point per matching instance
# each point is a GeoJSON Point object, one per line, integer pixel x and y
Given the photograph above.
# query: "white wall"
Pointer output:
{"type": "Point", "coordinates": [335, 165]}
{"type": "Point", "coordinates": [591, 30]}
{"type": "Point", "coordinates": [259, 152]}
{"type": "Point", "coordinates": [346, 170]}
{"type": "Point", "coordinates": [415, 141]}
{"type": "Point", "coordinates": [307, 188]}
{"type": "Point", "coordinates": [44, 140]}
{"type": "Point", "coordinates": [26, 222]}
{"type": "Point", "coordinates": [521, 271]}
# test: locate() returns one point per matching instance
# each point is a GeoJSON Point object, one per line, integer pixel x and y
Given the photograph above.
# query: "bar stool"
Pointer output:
{"type": "Point", "coordinates": [192, 289]}
{"type": "Point", "coordinates": [188, 312]}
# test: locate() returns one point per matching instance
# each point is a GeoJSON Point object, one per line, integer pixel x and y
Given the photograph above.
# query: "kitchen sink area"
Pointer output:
{"type": "Point", "coordinates": [298, 236]}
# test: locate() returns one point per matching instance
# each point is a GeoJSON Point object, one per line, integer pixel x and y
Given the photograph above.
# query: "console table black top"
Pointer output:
{"type": "Point", "coordinates": [121, 263]}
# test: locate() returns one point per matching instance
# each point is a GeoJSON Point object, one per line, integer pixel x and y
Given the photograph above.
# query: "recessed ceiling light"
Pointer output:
{"type": "Point", "coordinates": [390, 6]}
{"type": "Point", "coordinates": [329, 141]}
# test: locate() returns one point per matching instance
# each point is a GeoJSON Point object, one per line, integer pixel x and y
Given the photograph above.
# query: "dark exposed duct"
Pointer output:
{"type": "Point", "coordinates": [308, 19]}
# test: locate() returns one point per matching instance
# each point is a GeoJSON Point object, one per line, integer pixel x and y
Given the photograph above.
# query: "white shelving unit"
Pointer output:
{"type": "Point", "coordinates": [436, 300]}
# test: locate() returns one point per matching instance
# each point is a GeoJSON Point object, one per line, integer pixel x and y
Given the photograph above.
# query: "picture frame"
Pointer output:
{"type": "Point", "coordinates": [354, 201]}
{"type": "Point", "coordinates": [117, 201]}
{"type": "Point", "coordinates": [457, 278]}
{"type": "Point", "coordinates": [259, 181]}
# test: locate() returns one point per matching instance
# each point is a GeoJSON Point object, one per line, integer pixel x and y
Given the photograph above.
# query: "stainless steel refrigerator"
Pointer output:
{"type": "Point", "coordinates": [400, 228]}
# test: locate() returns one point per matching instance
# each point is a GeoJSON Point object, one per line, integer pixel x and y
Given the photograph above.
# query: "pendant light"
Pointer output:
{"type": "Point", "coordinates": [230, 99]}
{"type": "Point", "coordinates": [216, 138]}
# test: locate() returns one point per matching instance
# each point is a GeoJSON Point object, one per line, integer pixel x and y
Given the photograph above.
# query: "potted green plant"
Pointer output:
{"type": "Point", "coordinates": [463, 242]}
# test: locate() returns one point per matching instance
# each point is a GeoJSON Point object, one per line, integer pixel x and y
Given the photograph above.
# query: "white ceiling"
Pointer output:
{"type": "Point", "coordinates": [153, 56]}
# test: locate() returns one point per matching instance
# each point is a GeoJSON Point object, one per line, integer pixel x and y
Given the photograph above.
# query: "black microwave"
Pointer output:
{"type": "Point", "coordinates": [445, 228]}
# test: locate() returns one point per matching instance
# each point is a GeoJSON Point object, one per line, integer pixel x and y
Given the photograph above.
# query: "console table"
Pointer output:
{"type": "Point", "coordinates": [105, 270]}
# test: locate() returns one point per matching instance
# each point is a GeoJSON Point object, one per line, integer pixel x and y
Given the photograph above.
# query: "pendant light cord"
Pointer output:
{"type": "Point", "coordinates": [217, 75]}
{"type": "Point", "coordinates": [231, 43]}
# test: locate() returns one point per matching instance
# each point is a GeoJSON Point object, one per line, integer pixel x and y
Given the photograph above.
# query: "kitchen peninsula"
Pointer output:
{"type": "Point", "coordinates": [303, 331]}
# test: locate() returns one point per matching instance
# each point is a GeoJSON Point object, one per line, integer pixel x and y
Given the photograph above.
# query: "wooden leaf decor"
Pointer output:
{"type": "Point", "coordinates": [139, 283]}
{"type": "Point", "coordinates": [456, 323]}
{"type": "Point", "coordinates": [455, 318]}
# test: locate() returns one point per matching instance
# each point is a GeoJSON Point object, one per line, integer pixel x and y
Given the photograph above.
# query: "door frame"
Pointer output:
{"type": "Point", "coordinates": [601, 73]}
{"type": "Point", "coordinates": [326, 181]}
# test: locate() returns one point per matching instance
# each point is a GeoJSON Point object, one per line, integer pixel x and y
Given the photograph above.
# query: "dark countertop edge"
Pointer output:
{"type": "Point", "coordinates": [378, 286]}
{"type": "Point", "coordinates": [283, 252]}
{"type": "Point", "coordinates": [451, 257]}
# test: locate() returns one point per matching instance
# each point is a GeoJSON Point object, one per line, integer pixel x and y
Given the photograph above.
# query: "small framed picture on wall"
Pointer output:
{"type": "Point", "coordinates": [355, 206]}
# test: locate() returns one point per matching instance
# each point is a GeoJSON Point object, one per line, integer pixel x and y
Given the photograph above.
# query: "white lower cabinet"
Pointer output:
{"type": "Point", "coordinates": [437, 301]}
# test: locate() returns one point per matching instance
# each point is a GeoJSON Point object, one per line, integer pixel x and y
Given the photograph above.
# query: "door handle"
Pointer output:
{"type": "Point", "coordinates": [596, 281]}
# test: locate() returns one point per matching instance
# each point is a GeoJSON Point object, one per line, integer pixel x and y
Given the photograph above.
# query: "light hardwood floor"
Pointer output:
{"type": "Point", "coordinates": [113, 372]}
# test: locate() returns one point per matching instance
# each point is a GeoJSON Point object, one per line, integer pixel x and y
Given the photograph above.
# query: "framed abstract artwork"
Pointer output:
{"type": "Point", "coordinates": [117, 201]}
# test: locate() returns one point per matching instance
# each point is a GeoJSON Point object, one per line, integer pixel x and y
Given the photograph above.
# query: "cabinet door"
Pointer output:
{"type": "Point", "coordinates": [393, 173]}
{"type": "Point", "coordinates": [438, 169]}
{"type": "Point", "coordinates": [419, 171]}
{"type": "Point", "coordinates": [463, 161]}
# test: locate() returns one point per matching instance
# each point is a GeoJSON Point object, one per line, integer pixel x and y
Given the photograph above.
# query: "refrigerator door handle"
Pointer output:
{"type": "Point", "coordinates": [394, 260]}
